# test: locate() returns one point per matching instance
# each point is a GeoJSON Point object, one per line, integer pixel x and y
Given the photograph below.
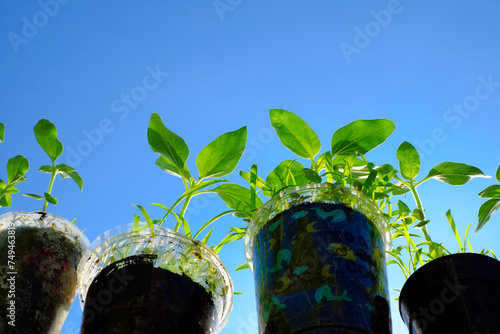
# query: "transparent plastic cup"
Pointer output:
{"type": "Point", "coordinates": [317, 253]}
{"type": "Point", "coordinates": [41, 260]}
{"type": "Point", "coordinates": [156, 279]}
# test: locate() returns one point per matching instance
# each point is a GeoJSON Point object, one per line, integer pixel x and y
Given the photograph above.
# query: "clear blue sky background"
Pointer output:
{"type": "Point", "coordinates": [417, 63]}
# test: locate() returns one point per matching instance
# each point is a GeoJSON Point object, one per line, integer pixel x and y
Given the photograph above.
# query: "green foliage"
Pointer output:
{"type": "Point", "coordinates": [492, 204]}
{"type": "Point", "coordinates": [2, 133]}
{"type": "Point", "coordinates": [295, 133]}
{"type": "Point", "coordinates": [217, 159]}
{"type": "Point", "coordinates": [17, 167]}
{"type": "Point", "coordinates": [46, 136]}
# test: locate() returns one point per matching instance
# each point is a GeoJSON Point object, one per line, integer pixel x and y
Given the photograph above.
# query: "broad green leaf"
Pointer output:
{"type": "Point", "coordinates": [11, 190]}
{"type": "Point", "coordinates": [361, 136]}
{"type": "Point", "coordinates": [3, 185]}
{"type": "Point", "coordinates": [35, 196]}
{"type": "Point", "coordinates": [312, 175]}
{"type": "Point", "coordinates": [454, 173]}
{"type": "Point", "coordinates": [67, 171]}
{"type": "Point", "coordinates": [287, 173]}
{"type": "Point", "coordinates": [16, 169]}
{"type": "Point", "coordinates": [498, 174]}
{"type": "Point", "coordinates": [422, 223]}
{"type": "Point", "coordinates": [236, 197]}
{"type": "Point", "coordinates": [409, 160]}
{"type": "Point", "coordinates": [417, 213]}
{"type": "Point", "coordinates": [166, 143]}
{"type": "Point", "coordinates": [491, 191]}
{"type": "Point", "coordinates": [222, 155]}
{"type": "Point", "coordinates": [46, 169]}
{"type": "Point", "coordinates": [295, 133]}
{"type": "Point", "coordinates": [2, 132]}
{"type": "Point", "coordinates": [51, 199]}
{"type": "Point", "coordinates": [46, 136]}
{"type": "Point", "coordinates": [169, 167]}
{"type": "Point", "coordinates": [486, 210]}
{"type": "Point", "coordinates": [403, 209]}
{"type": "Point", "coordinates": [6, 200]}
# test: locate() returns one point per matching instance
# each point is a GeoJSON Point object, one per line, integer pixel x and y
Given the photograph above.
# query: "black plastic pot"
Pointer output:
{"type": "Point", "coordinates": [458, 293]}
{"type": "Point", "coordinates": [317, 254]}
{"type": "Point", "coordinates": [139, 280]}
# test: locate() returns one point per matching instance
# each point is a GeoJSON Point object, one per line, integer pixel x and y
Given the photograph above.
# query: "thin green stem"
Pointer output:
{"type": "Point", "coordinates": [51, 184]}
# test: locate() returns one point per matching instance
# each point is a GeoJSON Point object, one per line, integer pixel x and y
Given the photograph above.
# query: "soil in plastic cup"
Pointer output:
{"type": "Point", "coordinates": [41, 256]}
{"type": "Point", "coordinates": [159, 281]}
{"type": "Point", "coordinates": [317, 254]}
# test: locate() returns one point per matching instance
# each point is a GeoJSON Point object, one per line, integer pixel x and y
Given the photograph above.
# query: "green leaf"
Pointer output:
{"type": "Point", "coordinates": [247, 176]}
{"type": "Point", "coordinates": [6, 200]}
{"type": "Point", "coordinates": [166, 143]}
{"type": "Point", "coordinates": [486, 210]}
{"type": "Point", "coordinates": [241, 267]}
{"type": "Point", "coordinates": [295, 133]}
{"type": "Point", "coordinates": [361, 136]}
{"type": "Point", "coordinates": [312, 175]}
{"type": "Point", "coordinates": [417, 213]}
{"type": "Point", "coordinates": [2, 132]}
{"type": "Point", "coordinates": [236, 197]}
{"type": "Point", "coordinates": [454, 229]}
{"type": "Point", "coordinates": [491, 191]}
{"type": "Point", "coordinates": [35, 196]}
{"type": "Point", "coordinates": [222, 155]}
{"type": "Point", "coordinates": [422, 223]}
{"type": "Point", "coordinates": [46, 136]}
{"type": "Point", "coordinates": [16, 169]}
{"type": "Point", "coordinates": [146, 215]}
{"type": "Point", "coordinates": [50, 199]}
{"type": "Point", "coordinates": [169, 167]}
{"type": "Point", "coordinates": [403, 209]}
{"type": "Point", "coordinates": [498, 174]}
{"type": "Point", "coordinates": [454, 173]}
{"type": "Point", "coordinates": [46, 169]}
{"type": "Point", "coordinates": [67, 171]}
{"type": "Point", "coordinates": [409, 160]}
{"type": "Point", "coordinates": [205, 239]}
{"type": "Point", "coordinates": [287, 173]}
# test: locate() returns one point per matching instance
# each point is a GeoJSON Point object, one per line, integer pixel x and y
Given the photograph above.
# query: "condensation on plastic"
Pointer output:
{"type": "Point", "coordinates": [319, 193]}
{"type": "Point", "coordinates": [175, 252]}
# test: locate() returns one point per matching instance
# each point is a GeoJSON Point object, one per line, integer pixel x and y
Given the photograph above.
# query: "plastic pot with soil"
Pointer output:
{"type": "Point", "coordinates": [458, 293]}
{"type": "Point", "coordinates": [317, 254]}
{"type": "Point", "coordinates": [143, 281]}
{"type": "Point", "coordinates": [41, 257]}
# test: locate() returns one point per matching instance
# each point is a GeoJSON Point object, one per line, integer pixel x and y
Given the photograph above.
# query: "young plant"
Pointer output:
{"type": "Point", "coordinates": [345, 164]}
{"type": "Point", "coordinates": [46, 136]}
{"type": "Point", "coordinates": [17, 167]}
{"type": "Point", "coordinates": [216, 160]}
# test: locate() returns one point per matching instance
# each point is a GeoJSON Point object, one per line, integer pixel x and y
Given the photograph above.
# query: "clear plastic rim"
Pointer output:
{"type": "Point", "coordinates": [317, 192]}
{"type": "Point", "coordinates": [107, 249]}
{"type": "Point", "coordinates": [45, 219]}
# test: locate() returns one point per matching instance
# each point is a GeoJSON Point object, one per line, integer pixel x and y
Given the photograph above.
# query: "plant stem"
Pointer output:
{"type": "Point", "coordinates": [420, 207]}
{"type": "Point", "coordinates": [51, 184]}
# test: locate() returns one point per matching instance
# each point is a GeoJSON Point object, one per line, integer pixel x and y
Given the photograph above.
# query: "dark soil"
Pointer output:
{"type": "Point", "coordinates": [131, 296]}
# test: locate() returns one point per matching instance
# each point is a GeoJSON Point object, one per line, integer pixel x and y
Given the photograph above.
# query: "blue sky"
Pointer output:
{"type": "Point", "coordinates": [99, 70]}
